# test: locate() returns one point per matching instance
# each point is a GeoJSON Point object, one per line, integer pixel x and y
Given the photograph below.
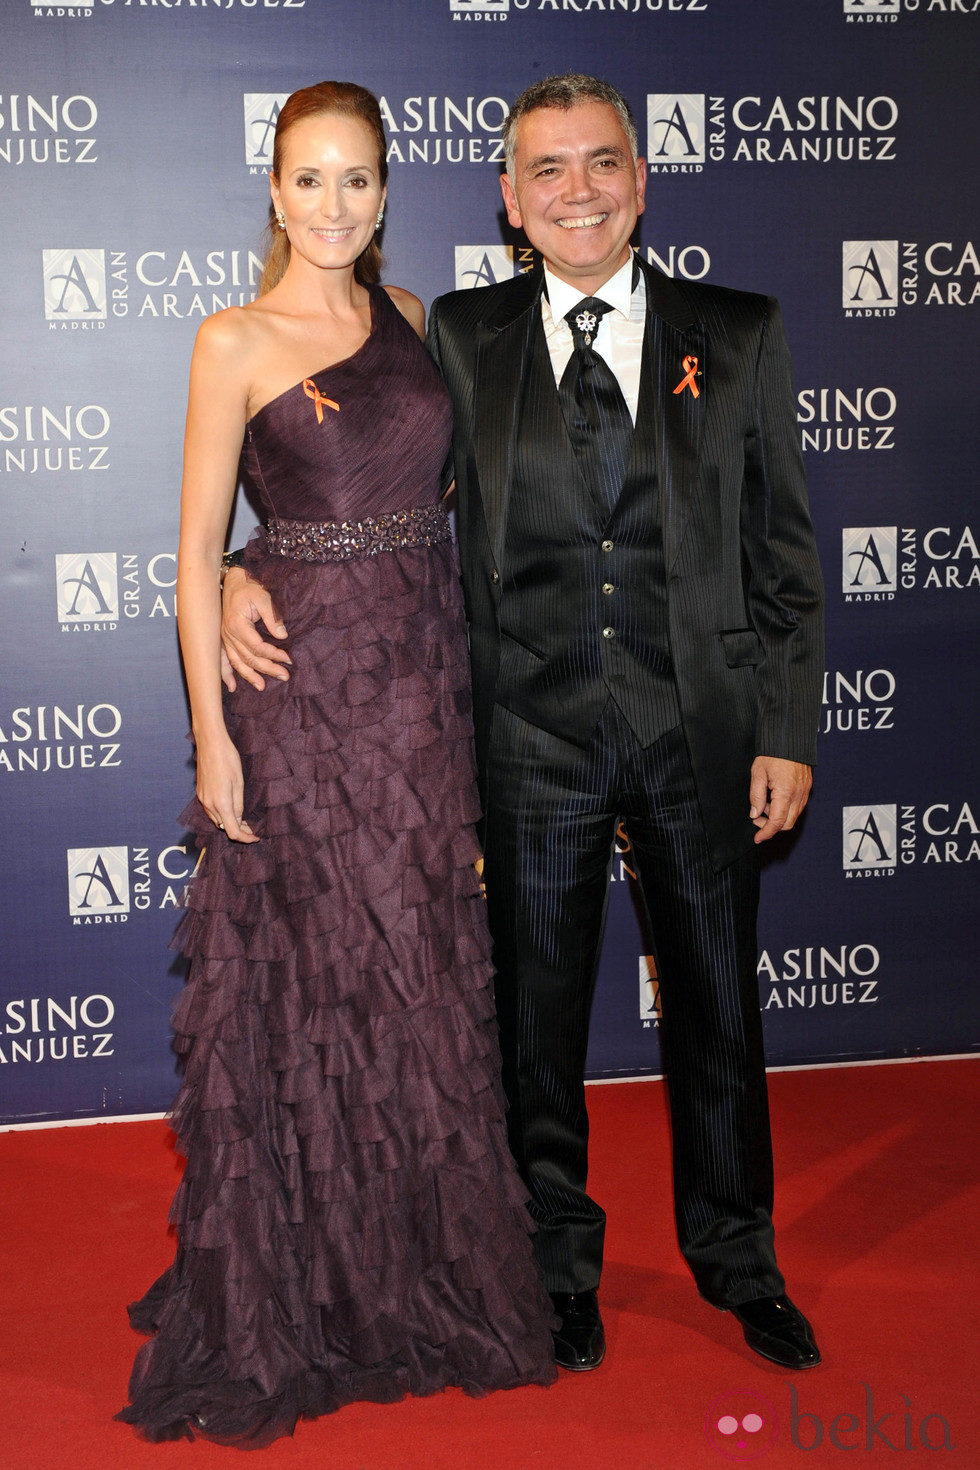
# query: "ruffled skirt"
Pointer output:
{"type": "Point", "coordinates": [350, 1222]}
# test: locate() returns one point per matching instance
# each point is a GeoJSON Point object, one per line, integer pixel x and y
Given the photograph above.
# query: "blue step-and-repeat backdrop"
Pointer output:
{"type": "Point", "coordinates": [825, 152]}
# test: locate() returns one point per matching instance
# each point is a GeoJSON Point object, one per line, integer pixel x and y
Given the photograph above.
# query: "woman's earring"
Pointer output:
{"type": "Point", "coordinates": [280, 219]}
{"type": "Point", "coordinates": [381, 215]}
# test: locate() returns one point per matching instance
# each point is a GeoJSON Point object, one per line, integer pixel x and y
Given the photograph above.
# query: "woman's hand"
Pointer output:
{"type": "Point", "coordinates": [221, 787]}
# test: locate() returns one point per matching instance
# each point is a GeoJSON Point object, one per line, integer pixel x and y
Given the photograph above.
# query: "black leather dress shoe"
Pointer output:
{"type": "Point", "coordinates": [580, 1343]}
{"type": "Point", "coordinates": [777, 1330]}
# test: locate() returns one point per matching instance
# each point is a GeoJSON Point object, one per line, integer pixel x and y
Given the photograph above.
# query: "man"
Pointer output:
{"type": "Point", "coordinates": [644, 605]}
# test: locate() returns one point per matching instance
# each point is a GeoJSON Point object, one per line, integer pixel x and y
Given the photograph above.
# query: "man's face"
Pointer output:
{"type": "Point", "coordinates": [577, 190]}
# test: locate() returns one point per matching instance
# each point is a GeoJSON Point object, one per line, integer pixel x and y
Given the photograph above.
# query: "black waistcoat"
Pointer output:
{"type": "Point", "coordinates": [583, 609]}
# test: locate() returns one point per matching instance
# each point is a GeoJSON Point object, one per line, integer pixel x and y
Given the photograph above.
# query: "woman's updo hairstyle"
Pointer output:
{"type": "Point", "coordinates": [346, 99]}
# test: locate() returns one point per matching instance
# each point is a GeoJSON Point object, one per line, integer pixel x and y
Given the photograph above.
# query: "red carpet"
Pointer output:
{"type": "Point", "coordinates": [876, 1216]}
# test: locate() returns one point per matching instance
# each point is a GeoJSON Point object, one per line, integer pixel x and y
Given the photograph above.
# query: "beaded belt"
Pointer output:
{"type": "Point", "coordinates": [424, 525]}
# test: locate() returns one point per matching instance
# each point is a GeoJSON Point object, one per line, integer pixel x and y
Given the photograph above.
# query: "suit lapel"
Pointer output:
{"type": "Point", "coordinates": [669, 421]}
{"type": "Point", "coordinates": [503, 359]}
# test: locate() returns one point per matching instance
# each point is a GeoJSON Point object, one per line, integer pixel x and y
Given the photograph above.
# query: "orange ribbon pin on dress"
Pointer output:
{"type": "Point", "coordinates": [690, 366]}
{"type": "Point", "coordinates": [312, 391]}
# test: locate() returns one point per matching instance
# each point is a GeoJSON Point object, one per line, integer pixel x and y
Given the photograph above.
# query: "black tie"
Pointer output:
{"type": "Point", "coordinates": [596, 415]}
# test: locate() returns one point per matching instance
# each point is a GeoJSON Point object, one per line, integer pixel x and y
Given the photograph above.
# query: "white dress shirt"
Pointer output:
{"type": "Point", "coordinates": [619, 339]}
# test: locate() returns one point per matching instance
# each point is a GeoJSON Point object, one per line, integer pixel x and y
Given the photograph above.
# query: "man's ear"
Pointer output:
{"type": "Point", "coordinates": [641, 184]}
{"type": "Point", "coordinates": [510, 201]}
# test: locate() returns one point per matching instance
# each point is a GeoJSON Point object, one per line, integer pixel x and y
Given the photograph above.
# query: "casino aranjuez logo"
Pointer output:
{"type": "Point", "coordinates": [430, 128]}
{"type": "Point", "coordinates": [687, 131]}
{"type": "Point", "coordinates": [55, 1027]}
{"type": "Point", "coordinates": [938, 833]}
{"type": "Point", "coordinates": [880, 276]}
{"type": "Point", "coordinates": [89, 9]}
{"type": "Point", "coordinates": [54, 437]}
{"type": "Point", "coordinates": [50, 128]}
{"type": "Point", "coordinates": [844, 420]}
{"type": "Point", "coordinates": [858, 701]}
{"type": "Point", "coordinates": [108, 884]}
{"type": "Point", "coordinates": [812, 977]}
{"type": "Point", "coordinates": [60, 735]}
{"type": "Point", "coordinates": [442, 127]}
{"type": "Point", "coordinates": [99, 590]}
{"type": "Point", "coordinates": [487, 12]}
{"type": "Point", "coordinates": [84, 287]}
{"type": "Point", "coordinates": [880, 562]}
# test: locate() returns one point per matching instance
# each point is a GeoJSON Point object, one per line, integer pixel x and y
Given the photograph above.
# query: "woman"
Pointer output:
{"type": "Point", "coordinates": [350, 1222]}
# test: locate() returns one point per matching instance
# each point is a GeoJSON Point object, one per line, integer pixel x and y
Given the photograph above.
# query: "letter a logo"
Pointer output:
{"type": "Point", "coordinates": [74, 285]}
{"type": "Point", "coordinates": [88, 587]}
{"type": "Point", "coordinates": [483, 265]}
{"type": "Point", "coordinates": [870, 836]}
{"type": "Point", "coordinates": [88, 583]}
{"type": "Point", "coordinates": [870, 559]}
{"type": "Point", "coordinates": [98, 881]}
{"type": "Point", "coordinates": [870, 273]}
{"type": "Point", "coordinates": [262, 111]}
{"type": "Point", "coordinates": [675, 126]}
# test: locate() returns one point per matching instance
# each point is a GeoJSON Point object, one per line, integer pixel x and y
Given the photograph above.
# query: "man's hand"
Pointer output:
{"type": "Point", "coordinates": [778, 792]}
{"type": "Point", "coordinates": [244, 604]}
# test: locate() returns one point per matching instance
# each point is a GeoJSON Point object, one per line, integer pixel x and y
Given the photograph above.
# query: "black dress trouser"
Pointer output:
{"type": "Point", "coordinates": [551, 818]}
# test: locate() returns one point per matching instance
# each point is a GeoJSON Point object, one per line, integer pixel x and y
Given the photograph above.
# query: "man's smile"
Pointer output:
{"type": "Point", "coordinates": [582, 221]}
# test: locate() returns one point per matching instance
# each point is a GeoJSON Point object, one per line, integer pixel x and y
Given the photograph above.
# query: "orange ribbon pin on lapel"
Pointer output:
{"type": "Point", "coordinates": [690, 366]}
{"type": "Point", "coordinates": [312, 391]}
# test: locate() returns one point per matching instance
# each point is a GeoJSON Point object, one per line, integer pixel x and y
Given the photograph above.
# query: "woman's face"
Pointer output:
{"type": "Point", "coordinates": [329, 188]}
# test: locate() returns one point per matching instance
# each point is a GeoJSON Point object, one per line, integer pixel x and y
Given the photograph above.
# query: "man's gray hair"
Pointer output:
{"type": "Point", "coordinates": [563, 92]}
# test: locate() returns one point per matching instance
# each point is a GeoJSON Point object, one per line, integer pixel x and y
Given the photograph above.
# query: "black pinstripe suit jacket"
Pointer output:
{"type": "Point", "coordinates": [744, 591]}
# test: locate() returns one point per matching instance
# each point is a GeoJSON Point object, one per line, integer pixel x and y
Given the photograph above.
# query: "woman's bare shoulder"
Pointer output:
{"type": "Point", "coordinates": [231, 334]}
{"type": "Point", "coordinates": [236, 344]}
{"type": "Point", "coordinates": [410, 307]}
